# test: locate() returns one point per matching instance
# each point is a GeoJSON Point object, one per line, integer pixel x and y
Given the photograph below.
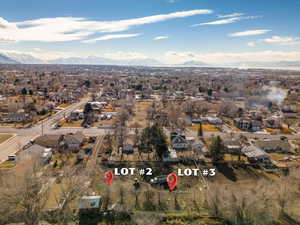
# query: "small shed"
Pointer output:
{"type": "Point", "coordinates": [90, 202]}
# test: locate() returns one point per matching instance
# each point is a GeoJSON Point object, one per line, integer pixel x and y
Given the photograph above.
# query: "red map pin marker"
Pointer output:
{"type": "Point", "coordinates": [109, 177]}
{"type": "Point", "coordinates": [172, 181]}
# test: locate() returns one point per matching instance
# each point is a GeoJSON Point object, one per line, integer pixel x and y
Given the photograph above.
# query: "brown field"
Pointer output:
{"type": "Point", "coordinates": [284, 130]}
{"type": "Point", "coordinates": [189, 192]}
{"type": "Point", "coordinates": [15, 124]}
{"type": "Point", "coordinates": [64, 105]}
{"type": "Point", "coordinates": [235, 158]}
{"type": "Point", "coordinates": [76, 123]}
{"type": "Point", "coordinates": [205, 127]}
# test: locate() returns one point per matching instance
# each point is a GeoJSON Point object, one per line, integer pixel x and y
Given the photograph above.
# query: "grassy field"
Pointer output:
{"type": "Point", "coordinates": [205, 127]}
{"type": "Point", "coordinates": [4, 137]}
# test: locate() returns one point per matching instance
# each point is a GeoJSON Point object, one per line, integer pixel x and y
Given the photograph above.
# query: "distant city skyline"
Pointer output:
{"type": "Point", "coordinates": [171, 32]}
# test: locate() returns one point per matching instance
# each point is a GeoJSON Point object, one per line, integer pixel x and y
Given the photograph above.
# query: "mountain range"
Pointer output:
{"type": "Point", "coordinates": [22, 58]}
{"type": "Point", "coordinates": [6, 60]}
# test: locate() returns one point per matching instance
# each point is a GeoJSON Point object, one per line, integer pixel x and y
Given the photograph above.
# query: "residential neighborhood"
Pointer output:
{"type": "Point", "coordinates": [183, 119]}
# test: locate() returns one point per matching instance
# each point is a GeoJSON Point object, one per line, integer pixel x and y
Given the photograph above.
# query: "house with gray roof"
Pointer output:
{"type": "Point", "coordinates": [256, 155]}
{"type": "Point", "coordinates": [278, 146]}
{"type": "Point", "coordinates": [36, 153]}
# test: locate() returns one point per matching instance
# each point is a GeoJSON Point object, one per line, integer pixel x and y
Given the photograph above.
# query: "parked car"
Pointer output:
{"type": "Point", "coordinates": [283, 138]}
{"type": "Point", "coordinates": [159, 180]}
{"type": "Point", "coordinates": [57, 126]}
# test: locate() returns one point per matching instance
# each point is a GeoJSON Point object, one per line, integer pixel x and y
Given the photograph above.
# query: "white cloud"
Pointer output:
{"type": "Point", "coordinates": [218, 22]}
{"type": "Point", "coordinates": [121, 55]}
{"type": "Point", "coordinates": [221, 58]}
{"type": "Point", "coordinates": [60, 29]}
{"type": "Point", "coordinates": [231, 15]}
{"type": "Point", "coordinates": [282, 40]}
{"type": "Point", "coordinates": [110, 37]}
{"type": "Point", "coordinates": [249, 33]}
{"type": "Point", "coordinates": [251, 44]}
{"type": "Point", "coordinates": [43, 54]}
{"type": "Point", "coordinates": [160, 38]}
{"type": "Point", "coordinates": [226, 21]}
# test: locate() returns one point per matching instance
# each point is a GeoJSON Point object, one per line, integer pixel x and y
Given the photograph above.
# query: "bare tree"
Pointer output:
{"type": "Point", "coordinates": [72, 188]}
{"type": "Point", "coordinates": [24, 195]}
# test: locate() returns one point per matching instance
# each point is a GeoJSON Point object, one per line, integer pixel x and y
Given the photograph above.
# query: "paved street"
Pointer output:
{"type": "Point", "coordinates": [24, 135]}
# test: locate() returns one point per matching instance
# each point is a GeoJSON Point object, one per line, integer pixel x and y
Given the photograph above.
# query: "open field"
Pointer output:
{"type": "Point", "coordinates": [15, 124]}
{"type": "Point", "coordinates": [75, 123]}
{"type": "Point", "coordinates": [64, 105]}
{"type": "Point", "coordinates": [284, 130]}
{"type": "Point", "coordinates": [205, 127]}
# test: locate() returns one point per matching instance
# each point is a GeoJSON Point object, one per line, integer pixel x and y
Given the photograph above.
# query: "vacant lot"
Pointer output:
{"type": "Point", "coordinates": [205, 127]}
{"type": "Point", "coordinates": [64, 105]}
{"type": "Point", "coordinates": [76, 123]}
{"type": "Point", "coordinates": [284, 130]}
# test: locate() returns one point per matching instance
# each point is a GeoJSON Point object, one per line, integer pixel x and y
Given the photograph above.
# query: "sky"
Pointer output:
{"type": "Point", "coordinates": [170, 31]}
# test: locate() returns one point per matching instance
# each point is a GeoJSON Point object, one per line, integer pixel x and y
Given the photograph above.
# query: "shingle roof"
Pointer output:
{"type": "Point", "coordinates": [253, 152]}
{"type": "Point", "coordinates": [274, 145]}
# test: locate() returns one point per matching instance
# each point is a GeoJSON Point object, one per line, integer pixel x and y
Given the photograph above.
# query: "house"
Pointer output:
{"type": "Point", "coordinates": [256, 155]}
{"type": "Point", "coordinates": [37, 153]}
{"type": "Point", "coordinates": [17, 117]}
{"type": "Point", "coordinates": [290, 115]}
{"type": "Point", "coordinates": [90, 202]}
{"type": "Point", "coordinates": [76, 115]}
{"type": "Point", "coordinates": [49, 141]}
{"type": "Point", "coordinates": [171, 157]}
{"type": "Point", "coordinates": [73, 141]}
{"type": "Point", "coordinates": [243, 124]}
{"type": "Point", "coordinates": [179, 142]}
{"type": "Point", "coordinates": [232, 147]}
{"type": "Point", "coordinates": [278, 146]}
{"type": "Point", "coordinates": [256, 125]}
{"type": "Point", "coordinates": [208, 119]}
{"type": "Point", "coordinates": [128, 149]}
{"type": "Point", "coordinates": [272, 123]}
{"type": "Point", "coordinates": [248, 124]}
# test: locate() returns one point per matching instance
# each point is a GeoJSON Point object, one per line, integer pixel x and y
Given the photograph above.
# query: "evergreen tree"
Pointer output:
{"type": "Point", "coordinates": [200, 130]}
{"type": "Point", "coordinates": [154, 139]}
{"type": "Point", "coordinates": [217, 149]}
